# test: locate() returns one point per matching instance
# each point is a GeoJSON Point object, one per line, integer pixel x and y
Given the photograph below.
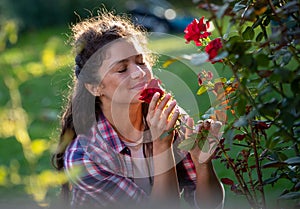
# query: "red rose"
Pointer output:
{"type": "Point", "coordinates": [150, 90]}
{"type": "Point", "coordinates": [213, 48]}
{"type": "Point", "coordinates": [196, 31]}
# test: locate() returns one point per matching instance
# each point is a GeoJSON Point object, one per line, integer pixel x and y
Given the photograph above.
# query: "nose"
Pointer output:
{"type": "Point", "coordinates": [137, 72]}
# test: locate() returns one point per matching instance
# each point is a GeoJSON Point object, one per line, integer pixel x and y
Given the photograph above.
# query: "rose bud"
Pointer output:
{"type": "Point", "coordinates": [152, 87]}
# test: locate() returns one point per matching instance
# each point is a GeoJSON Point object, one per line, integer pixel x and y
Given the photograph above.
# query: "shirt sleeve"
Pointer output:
{"type": "Point", "coordinates": [97, 181]}
{"type": "Point", "coordinates": [187, 179]}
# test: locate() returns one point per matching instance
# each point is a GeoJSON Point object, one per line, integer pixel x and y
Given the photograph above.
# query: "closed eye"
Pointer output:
{"type": "Point", "coordinates": [140, 60]}
{"type": "Point", "coordinates": [122, 71]}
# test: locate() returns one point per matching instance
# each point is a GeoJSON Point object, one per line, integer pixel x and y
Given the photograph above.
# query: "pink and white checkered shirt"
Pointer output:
{"type": "Point", "coordinates": [106, 171]}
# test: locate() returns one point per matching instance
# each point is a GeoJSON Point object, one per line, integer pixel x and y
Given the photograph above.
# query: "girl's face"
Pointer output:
{"type": "Point", "coordinates": [124, 73]}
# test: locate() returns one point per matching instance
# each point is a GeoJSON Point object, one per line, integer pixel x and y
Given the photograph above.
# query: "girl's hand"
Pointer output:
{"type": "Point", "coordinates": [161, 119]}
{"type": "Point", "coordinates": [213, 128]}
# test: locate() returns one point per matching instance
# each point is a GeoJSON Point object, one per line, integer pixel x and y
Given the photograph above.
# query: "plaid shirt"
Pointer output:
{"type": "Point", "coordinates": [105, 175]}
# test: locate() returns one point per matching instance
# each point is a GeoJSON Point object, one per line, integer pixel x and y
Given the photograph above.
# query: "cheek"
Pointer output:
{"type": "Point", "coordinates": [149, 73]}
{"type": "Point", "coordinates": [116, 85]}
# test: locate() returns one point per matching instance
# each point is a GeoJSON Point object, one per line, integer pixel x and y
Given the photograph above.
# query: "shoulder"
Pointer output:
{"type": "Point", "coordinates": [75, 151]}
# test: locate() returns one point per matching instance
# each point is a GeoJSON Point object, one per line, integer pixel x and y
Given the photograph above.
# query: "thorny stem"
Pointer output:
{"type": "Point", "coordinates": [251, 181]}
{"type": "Point", "coordinates": [258, 168]}
{"type": "Point", "coordinates": [240, 179]}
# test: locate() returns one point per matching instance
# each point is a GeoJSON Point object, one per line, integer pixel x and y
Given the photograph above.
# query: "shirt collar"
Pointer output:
{"type": "Point", "coordinates": [108, 134]}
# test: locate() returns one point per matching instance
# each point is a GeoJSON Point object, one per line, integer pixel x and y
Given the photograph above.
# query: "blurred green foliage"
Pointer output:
{"type": "Point", "coordinates": [28, 115]}
{"type": "Point", "coordinates": [33, 14]}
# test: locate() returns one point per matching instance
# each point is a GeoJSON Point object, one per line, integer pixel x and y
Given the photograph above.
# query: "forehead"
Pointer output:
{"type": "Point", "coordinates": [119, 50]}
{"type": "Point", "coordinates": [123, 48]}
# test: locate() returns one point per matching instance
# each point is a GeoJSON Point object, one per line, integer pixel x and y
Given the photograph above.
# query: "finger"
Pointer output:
{"type": "Point", "coordinates": [170, 108]}
{"type": "Point", "coordinates": [158, 113]}
{"type": "Point", "coordinates": [215, 128]}
{"type": "Point", "coordinates": [173, 120]}
{"type": "Point", "coordinates": [189, 128]}
{"type": "Point", "coordinates": [216, 125]}
{"type": "Point", "coordinates": [164, 102]}
{"type": "Point", "coordinates": [153, 102]}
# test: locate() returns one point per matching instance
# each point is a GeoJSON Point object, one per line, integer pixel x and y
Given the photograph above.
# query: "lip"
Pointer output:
{"type": "Point", "coordinates": [141, 85]}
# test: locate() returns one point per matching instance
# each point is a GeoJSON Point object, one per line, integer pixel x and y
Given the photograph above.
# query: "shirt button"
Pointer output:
{"type": "Point", "coordinates": [127, 151]}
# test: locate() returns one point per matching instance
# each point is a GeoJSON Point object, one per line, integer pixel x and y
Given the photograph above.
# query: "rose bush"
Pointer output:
{"type": "Point", "coordinates": [258, 43]}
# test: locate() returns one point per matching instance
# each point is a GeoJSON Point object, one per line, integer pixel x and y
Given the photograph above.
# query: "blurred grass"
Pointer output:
{"type": "Point", "coordinates": [41, 62]}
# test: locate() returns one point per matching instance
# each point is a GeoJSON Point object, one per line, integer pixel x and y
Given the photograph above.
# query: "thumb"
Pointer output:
{"type": "Point", "coordinates": [190, 127]}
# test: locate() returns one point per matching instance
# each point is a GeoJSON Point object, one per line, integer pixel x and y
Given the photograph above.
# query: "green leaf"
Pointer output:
{"type": "Point", "coordinates": [266, 21]}
{"type": "Point", "coordinates": [291, 24]}
{"type": "Point", "coordinates": [271, 180]}
{"type": "Point", "coordinates": [295, 86]}
{"type": "Point", "coordinates": [221, 79]}
{"type": "Point", "coordinates": [290, 196]}
{"type": "Point", "coordinates": [221, 11]}
{"type": "Point", "coordinates": [286, 58]}
{"type": "Point", "coordinates": [274, 164]}
{"type": "Point", "coordinates": [229, 135]}
{"type": "Point", "coordinates": [287, 117]}
{"type": "Point", "coordinates": [248, 34]}
{"type": "Point", "coordinates": [221, 56]}
{"type": "Point", "coordinates": [293, 161]}
{"type": "Point", "coordinates": [242, 121]}
{"type": "Point", "coordinates": [246, 60]}
{"type": "Point", "coordinates": [283, 75]}
{"type": "Point", "coordinates": [262, 60]}
{"type": "Point", "coordinates": [187, 144]}
{"type": "Point", "coordinates": [203, 145]}
{"type": "Point", "coordinates": [238, 6]}
{"type": "Point", "coordinates": [241, 105]}
{"type": "Point", "coordinates": [269, 108]}
{"type": "Point", "coordinates": [257, 22]}
{"type": "Point", "coordinates": [259, 37]}
{"type": "Point", "coordinates": [271, 142]}
{"type": "Point", "coordinates": [202, 90]}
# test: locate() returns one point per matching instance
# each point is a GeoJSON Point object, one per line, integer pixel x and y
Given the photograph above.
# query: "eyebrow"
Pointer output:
{"type": "Point", "coordinates": [117, 62]}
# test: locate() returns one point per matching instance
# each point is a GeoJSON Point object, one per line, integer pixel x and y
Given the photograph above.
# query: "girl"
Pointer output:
{"type": "Point", "coordinates": [119, 150]}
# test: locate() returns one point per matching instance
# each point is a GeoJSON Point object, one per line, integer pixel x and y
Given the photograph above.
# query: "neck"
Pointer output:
{"type": "Point", "coordinates": [127, 120]}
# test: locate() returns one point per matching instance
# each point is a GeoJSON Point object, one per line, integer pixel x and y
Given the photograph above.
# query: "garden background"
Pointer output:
{"type": "Point", "coordinates": [36, 68]}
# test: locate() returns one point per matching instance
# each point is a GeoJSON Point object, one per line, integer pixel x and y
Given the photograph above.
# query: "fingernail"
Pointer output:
{"type": "Point", "coordinates": [168, 96]}
{"type": "Point", "coordinates": [157, 94]}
